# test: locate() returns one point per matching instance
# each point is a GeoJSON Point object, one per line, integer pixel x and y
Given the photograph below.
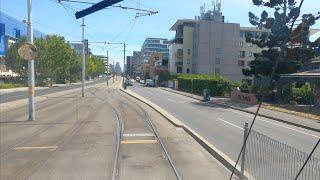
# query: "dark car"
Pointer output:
{"type": "Point", "coordinates": [128, 82]}
{"type": "Point", "coordinates": [150, 83]}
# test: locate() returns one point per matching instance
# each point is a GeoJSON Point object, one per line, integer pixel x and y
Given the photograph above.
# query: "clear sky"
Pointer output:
{"type": "Point", "coordinates": [118, 25]}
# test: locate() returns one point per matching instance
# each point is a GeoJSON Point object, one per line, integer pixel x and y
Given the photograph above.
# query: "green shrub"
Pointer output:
{"type": "Point", "coordinates": [217, 85]}
{"type": "Point", "coordinates": [302, 95]}
{"type": "Point", "coordinates": [9, 86]}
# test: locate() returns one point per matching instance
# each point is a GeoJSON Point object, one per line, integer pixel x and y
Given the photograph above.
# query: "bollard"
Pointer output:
{"type": "Point", "coordinates": [243, 157]}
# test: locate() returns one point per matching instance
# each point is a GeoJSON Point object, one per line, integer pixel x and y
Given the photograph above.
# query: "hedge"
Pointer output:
{"type": "Point", "coordinates": [217, 85]}
{"type": "Point", "coordinates": [9, 86]}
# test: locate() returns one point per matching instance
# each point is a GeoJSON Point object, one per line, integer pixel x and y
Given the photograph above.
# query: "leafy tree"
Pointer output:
{"type": "Point", "coordinates": [14, 62]}
{"type": "Point", "coordinates": [284, 38]}
{"type": "Point", "coordinates": [95, 66]}
{"type": "Point", "coordinates": [56, 61]}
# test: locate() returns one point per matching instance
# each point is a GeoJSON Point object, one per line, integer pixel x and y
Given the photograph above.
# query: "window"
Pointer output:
{"type": "Point", "coordinates": [188, 61]}
{"type": "Point", "coordinates": [217, 70]}
{"type": "Point", "coordinates": [179, 69]}
{"type": "Point", "coordinates": [2, 31]}
{"type": "Point", "coordinates": [249, 44]}
{"type": "Point", "coordinates": [241, 63]}
{"type": "Point", "coordinates": [250, 54]}
{"type": "Point", "coordinates": [217, 60]}
{"type": "Point", "coordinates": [242, 34]}
{"type": "Point", "coordinates": [218, 50]}
{"type": "Point", "coordinates": [189, 51]}
{"type": "Point", "coordinates": [242, 54]}
{"type": "Point", "coordinates": [17, 32]}
{"type": "Point", "coordinates": [241, 44]}
{"type": "Point", "coordinates": [179, 53]}
{"type": "Point", "coordinates": [188, 71]}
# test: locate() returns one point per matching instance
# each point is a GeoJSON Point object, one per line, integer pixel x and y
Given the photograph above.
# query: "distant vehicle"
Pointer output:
{"type": "Point", "coordinates": [128, 82]}
{"type": "Point", "coordinates": [142, 81]}
{"type": "Point", "coordinates": [150, 83]}
{"type": "Point", "coordinates": [137, 79]}
{"type": "Point", "coordinates": [100, 76]}
{"type": "Point", "coordinates": [132, 80]}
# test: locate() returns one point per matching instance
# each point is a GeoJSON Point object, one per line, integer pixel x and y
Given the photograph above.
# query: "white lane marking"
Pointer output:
{"type": "Point", "coordinates": [138, 135]}
{"type": "Point", "coordinates": [182, 102]}
{"type": "Point", "coordinates": [293, 129]}
{"type": "Point", "coordinates": [230, 123]}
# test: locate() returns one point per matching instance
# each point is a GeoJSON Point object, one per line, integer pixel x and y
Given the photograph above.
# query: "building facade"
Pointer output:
{"type": "Point", "coordinates": [209, 45]}
{"type": "Point", "coordinates": [155, 45]}
{"type": "Point", "coordinates": [175, 58]}
{"type": "Point", "coordinates": [137, 61]}
{"type": "Point", "coordinates": [11, 29]}
{"type": "Point", "coordinates": [129, 66]}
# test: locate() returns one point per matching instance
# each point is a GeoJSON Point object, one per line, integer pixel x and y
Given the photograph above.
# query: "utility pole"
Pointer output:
{"type": "Point", "coordinates": [113, 70]}
{"type": "Point", "coordinates": [83, 60]}
{"type": "Point", "coordinates": [30, 66]}
{"type": "Point", "coordinates": [124, 62]}
{"type": "Point", "coordinates": [108, 68]}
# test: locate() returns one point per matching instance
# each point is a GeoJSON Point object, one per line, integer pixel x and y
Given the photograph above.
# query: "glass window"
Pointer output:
{"type": "Point", "coordinates": [217, 70]}
{"type": "Point", "coordinates": [241, 44]}
{"type": "Point", "coordinates": [17, 33]}
{"type": "Point", "coordinates": [217, 60]}
{"type": "Point", "coordinates": [189, 51]}
{"type": "Point", "coordinates": [250, 54]}
{"type": "Point", "coordinates": [241, 63]}
{"type": "Point", "coordinates": [218, 50]}
{"type": "Point", "coordinates": [242, 34]}
{"type": "Point", "coordinates": [242, 54]}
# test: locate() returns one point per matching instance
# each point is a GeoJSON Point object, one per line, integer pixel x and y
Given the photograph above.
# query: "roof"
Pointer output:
{"type": "Point", "coordinates": [180, 22]}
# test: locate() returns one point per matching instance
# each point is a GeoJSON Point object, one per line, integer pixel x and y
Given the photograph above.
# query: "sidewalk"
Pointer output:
{"type": "Point", "coordinates": [287, 118]}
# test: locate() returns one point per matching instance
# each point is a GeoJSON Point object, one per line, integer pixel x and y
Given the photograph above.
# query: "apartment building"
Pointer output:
{"type": "Point", "coordinates": [155, 45]}
{"type": "Point", "coordinates": [137, 61]}
{"type": "Point", "coordinates": [209, 45]}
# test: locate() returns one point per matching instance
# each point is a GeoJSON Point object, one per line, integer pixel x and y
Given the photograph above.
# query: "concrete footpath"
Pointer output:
{"type": "Point", "coordinates": [218, 155]}
{"type": "Point", "coordinates": [295, 120]}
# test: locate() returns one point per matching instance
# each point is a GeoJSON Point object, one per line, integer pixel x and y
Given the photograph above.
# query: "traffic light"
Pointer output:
{"type": "Point", "coordinates": [96, 7]}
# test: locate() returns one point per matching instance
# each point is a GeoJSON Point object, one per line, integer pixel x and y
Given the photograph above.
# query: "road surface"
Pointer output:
{"type": "Point", "coordinates": [223, 127]}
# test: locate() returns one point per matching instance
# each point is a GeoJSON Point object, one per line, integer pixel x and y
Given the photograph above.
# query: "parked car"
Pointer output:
{"type": "Point", "coordinates": [128, 82]}
{"type": "Point", "coordinates": [150, 83]}
{"type": "Point", "coordinates": [142, 81]}
{"type": "Point", "coordinates": [138, 79]}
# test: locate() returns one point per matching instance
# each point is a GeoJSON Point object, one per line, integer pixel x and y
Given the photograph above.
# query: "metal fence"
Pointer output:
{"type": "Point", "coordinates": [269, 159]}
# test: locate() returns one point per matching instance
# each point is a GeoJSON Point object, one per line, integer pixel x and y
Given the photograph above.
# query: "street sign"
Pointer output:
{"type": "Point", "coordinates": [28, 51]}
{"type": "Point", "coordinates": [96, 7]}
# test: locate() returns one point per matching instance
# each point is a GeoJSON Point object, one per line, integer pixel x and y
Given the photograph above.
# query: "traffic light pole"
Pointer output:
{"type": "Point", "coordinates": [83, 60]}
{"type": "Point", "coordinates": [31, 75]}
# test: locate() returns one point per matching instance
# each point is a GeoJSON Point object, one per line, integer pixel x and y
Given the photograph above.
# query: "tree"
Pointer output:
{"type": "Point", "coordinates": [95, 66]}
{"type": "Point", "coordinates": [56, 61]}
{"type": "Point", "coordinates": [14, 62]}
{"type": "Point", "coordinates": [284, 37]}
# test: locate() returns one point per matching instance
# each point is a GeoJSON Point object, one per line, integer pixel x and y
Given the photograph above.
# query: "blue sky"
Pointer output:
{"type": "Point", "coordinates": [118, 25]}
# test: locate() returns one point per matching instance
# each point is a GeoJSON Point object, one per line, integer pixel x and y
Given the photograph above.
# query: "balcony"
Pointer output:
{"type": "Point", "coordinates": [179, 63]}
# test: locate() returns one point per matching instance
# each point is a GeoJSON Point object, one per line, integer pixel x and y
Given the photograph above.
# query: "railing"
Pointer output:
{"type": "Point", "coordinates": [269, 159]}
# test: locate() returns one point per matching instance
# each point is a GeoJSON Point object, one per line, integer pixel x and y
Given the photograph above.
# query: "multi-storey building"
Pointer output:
{"type": "Point", "coordinates": [176, 58]}
{"type": "Point", "coordinates": [11, 29]}
{"type": "Point", "coordinates": [137, 61]}
{"type": "Point", "coordinates": [155, 45]}
{"type": "Point", "coordinates": [209, 45]}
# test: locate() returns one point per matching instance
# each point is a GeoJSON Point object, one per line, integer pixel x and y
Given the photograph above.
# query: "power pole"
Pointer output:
{"type": "Point", "coordinates": [108, 68]}
{"type": "Point", "coordinates": [30, 66]}
{"type": "Point", "coordinates": [113, 70]}
{"type": "Point", "coordinates": [124, 62]}
{"type": "Point", "coordinates": [83, 60]}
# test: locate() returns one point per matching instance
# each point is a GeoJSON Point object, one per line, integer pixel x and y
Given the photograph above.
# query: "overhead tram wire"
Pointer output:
{"type": "Point", "coordinates": [115, 6]}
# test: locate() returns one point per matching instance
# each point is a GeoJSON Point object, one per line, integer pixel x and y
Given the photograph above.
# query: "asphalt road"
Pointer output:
{"type": "Point", "coordinates": [223, 127]}
{"type": "Point", "coordinates": [13, 96]}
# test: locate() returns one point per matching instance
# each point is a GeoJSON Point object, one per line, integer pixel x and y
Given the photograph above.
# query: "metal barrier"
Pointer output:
{"type": "Point", "coordinates": [269, 159]}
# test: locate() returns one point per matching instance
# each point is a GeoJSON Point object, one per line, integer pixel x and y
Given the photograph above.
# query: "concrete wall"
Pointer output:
{"type": "Point", "coordinates": [217, 49]}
